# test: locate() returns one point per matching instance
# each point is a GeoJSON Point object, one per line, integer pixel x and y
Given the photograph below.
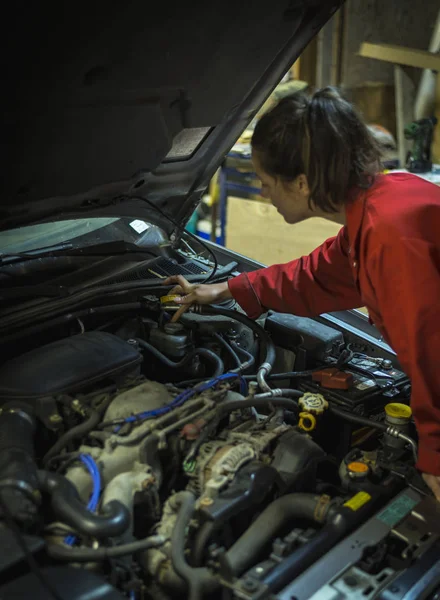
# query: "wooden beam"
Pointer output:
{"type": "Point", "coordinates": [400, 55]}
{"type": "Point", "coordinates": [405, 91]}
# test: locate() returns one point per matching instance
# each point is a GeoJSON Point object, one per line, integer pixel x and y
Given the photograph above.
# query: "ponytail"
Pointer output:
{"type": "Point", "coordinates": [323, 137]}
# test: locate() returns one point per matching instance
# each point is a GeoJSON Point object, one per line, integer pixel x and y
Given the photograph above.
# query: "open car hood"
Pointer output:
{"type": "Point", "coordinates": [106, 100]}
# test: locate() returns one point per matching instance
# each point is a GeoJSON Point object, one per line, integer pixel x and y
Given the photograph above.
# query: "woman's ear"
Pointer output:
{"type": "Point", "coordinates": [302, 185]}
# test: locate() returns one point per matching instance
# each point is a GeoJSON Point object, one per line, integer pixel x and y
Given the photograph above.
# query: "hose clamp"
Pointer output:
{"type": "Point", "coordinates": [321, 509]}
{"type": "Point", "coordinates": [266, 367]}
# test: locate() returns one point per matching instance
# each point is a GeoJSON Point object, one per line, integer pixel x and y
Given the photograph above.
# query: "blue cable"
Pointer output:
{"type": "Point", "coordinates": [183, 397]}
{"type": "Point", "coordinates": [92, 504]}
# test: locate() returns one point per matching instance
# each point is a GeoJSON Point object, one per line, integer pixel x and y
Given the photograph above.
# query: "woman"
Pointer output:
{"type": "Point", "coordinates": [315, 157]}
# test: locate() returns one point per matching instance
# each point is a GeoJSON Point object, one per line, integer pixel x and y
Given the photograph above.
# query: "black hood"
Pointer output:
{"type": "Point", "coordinates": [102, 100]}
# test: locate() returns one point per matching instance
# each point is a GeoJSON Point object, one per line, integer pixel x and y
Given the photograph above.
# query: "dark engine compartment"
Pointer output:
{"type": "Point", "coordinates": [214, 457]}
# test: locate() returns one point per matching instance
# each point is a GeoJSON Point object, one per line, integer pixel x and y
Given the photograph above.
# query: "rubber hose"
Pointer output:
{"type": "Point", "coordinates": [68, 507]}
{"type": "Point", "coordinates": [97, 554]}
{"type": "Point", "coordinates": [246, 550]}
{"type": "Point", "coordinates": [200, 543]}
{"type": "Point", "coordinates": [268, 345]}
{"type": "Point", "coordinates": [198, 580]}
{"type": "Point", "coordinates": [250, 359]}
{"type": "Point", "coordinates": [18, 470]}
{"type": "Point", "coordinates": [76, 432]}
{"type": "Point", "coordinates": [302, 558]}
{"type": "Point", "coordinates": [357, 419]}
{"type": "Point", "coordinates": [229, 349]}
{"type": "Point", "coordinates": [286, 403]}
{"type": "Point", "coordinates": [208, 354]}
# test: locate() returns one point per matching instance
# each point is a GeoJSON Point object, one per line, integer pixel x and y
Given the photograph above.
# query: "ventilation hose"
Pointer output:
{"type": "Point", "coordinates": [68, 507]}
{"type": "Point", "coordinates": [208, 354]}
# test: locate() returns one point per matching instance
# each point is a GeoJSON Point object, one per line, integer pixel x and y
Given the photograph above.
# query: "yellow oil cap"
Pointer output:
{"type": "Point", "coordinates": [168, 299]}
{"type": "Point", "coordinates": [396, 410]}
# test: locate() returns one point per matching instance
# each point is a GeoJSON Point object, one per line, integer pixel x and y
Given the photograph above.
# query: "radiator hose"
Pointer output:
{"type": "Point", "coordinates": [18, 471]}
{"type": "Point", "coordinates": [247, 548]}
{"type": "Point", "coordinates": [68, 507]}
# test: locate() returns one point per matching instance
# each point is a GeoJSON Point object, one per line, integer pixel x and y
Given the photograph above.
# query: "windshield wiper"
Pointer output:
{"type": "Point", "coordinates": [116, 248]}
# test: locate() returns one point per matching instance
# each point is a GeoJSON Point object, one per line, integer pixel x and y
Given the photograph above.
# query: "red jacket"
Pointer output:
{"type": "Point", "coordinates": [386, 258]}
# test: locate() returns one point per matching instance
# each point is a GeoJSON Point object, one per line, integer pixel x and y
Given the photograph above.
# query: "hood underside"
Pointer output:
{"type": "Point", "coordinates": [104, 100]}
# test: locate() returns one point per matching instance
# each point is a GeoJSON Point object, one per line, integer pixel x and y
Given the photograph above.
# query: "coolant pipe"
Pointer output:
{"type": "Point", "coordinates": [246, 550]}
{"type": "Point", "coordinates": [341, 520]}
{"type": "Point", "coordinates": [269, 347]}
{"type": "Point", "coordinates": [303, 557]}
{"type": "Point", "coordinates": [68, 507]}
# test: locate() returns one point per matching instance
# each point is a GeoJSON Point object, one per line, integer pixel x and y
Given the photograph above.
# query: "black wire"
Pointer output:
{"type": "Point", "coordinates": [229, 349]}
{"type": "Point", "coordinates": [183, 231]}
{"type": "Point", "coordinates": [33, 565]}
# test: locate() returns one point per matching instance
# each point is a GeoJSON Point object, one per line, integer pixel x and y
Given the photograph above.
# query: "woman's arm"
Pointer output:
{"type": "Point", "coordinates": [406, 276]}
{"type": "Point", "coordinates": [309, 286]}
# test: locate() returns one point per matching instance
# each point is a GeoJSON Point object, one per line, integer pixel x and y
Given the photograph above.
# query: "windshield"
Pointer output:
{"type": "Point", "coordinates": [81, 232]}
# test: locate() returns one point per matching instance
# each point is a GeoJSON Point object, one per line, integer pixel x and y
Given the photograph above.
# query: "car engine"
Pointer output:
{"type": "Point", "coordinates": [213, 457]}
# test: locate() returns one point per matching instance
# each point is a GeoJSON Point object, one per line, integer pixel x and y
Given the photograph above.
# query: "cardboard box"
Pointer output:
{"type": "Point", "coordinates": [255, 229]}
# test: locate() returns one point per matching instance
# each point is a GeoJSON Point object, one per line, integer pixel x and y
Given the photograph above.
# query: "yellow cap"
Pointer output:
{"type": "Point", "coordinates": [358, 467]}
{"type": "Point", "coordinates": [398, 411]}
{"type": "Point", "coordinates": [166, 299]}
{"type": "Point", "coordinates": [307, 421]}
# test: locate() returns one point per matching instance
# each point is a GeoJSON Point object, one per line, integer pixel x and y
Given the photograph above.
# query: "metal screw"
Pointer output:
{"type": "Point", "coordinates": [55, 418]}
{"type": "Point", "coordinates": [205, 501]}
{"type": "Point", "coordinates": [259, 570]}
{"type": "Point", "coordinates": [249, 585]}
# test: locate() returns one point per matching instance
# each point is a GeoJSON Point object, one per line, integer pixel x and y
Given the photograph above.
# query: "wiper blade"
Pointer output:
{"type": "Point", "coordinates": [105, 249]}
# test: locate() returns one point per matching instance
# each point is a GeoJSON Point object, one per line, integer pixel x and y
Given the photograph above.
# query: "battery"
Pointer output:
{"type": "Point", "coordinates": [361, 386]}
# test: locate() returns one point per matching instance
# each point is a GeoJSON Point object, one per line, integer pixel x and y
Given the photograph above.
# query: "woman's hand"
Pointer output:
{"type": "Point", "coordinates": [195, 293]}
{"type": "Point", "coordinates": [434, 483]}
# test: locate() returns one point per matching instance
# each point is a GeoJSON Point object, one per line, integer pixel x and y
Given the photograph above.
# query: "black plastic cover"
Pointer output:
{"type": "Point", "coordinates": [12, 558]}
{"type": "Point", "coordinates": [67, 365]}
{"type": "Point", "coordinates": [296, 458]}
{"type": "Point", "coordinates": [291, 332]}
{"type": "Point", "coordinates": [70, 584]}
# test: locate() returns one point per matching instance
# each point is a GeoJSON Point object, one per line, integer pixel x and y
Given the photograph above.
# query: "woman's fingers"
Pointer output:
{"type": "Point", "coordinates": [180, 312]}
{"type": "Point", "coordinates": [177, 290]}
{"type": "Point", "coordinates": [180, 281]}
{"type": "Point", "coordinates": [186, 294]}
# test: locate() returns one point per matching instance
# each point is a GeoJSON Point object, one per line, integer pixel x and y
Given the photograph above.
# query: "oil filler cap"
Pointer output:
{"type": "Point", "coordinates": [315, 404]}
{"type": "Point", "coordinates": [396, 410]}
{"type": "Point", "coordinates": [169, 299]}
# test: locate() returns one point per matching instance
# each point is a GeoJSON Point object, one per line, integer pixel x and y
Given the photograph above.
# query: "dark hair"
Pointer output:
{"type": "Point", "coordinates": [323, 137]}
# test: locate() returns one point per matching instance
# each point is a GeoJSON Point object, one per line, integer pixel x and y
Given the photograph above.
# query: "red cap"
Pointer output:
{"type": "Point", "coordinates": [333, 379]}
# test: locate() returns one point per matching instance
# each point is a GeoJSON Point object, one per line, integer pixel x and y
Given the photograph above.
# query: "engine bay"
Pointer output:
{"type": "Point", "coordinates": [213, 457]}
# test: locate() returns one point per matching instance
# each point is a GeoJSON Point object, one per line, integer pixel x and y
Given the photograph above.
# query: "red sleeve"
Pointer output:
{"type": "Point", "coordinates": [309, 286]}
{"type": "Point", "coordinates": [409, 303]}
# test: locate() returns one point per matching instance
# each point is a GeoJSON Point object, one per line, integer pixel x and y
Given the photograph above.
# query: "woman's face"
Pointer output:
{"type": "Point", "coordinates": [290, 198]}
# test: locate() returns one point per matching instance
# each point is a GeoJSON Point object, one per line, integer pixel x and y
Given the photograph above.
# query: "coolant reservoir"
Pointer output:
{"type": "Point", "coordinates": [399, 416]}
